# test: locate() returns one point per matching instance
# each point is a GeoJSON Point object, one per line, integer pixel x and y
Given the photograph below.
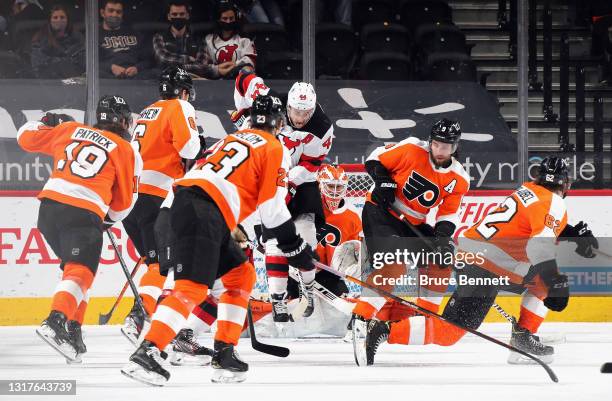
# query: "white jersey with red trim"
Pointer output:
{"type": "Point", "coordinates": [308, 146]}
{"type": "Point", "coordinates": [238, 49]}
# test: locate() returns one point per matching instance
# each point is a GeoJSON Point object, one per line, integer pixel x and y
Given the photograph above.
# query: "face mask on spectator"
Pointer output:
{"type": "Point", "coordinates": [58, 26]}
{"type": "Point", "coordinates": [178, 23]}
{"type": "Point", "coordinates": [113, 22]}
{"type": "Point", "coordinates": [228, 26]}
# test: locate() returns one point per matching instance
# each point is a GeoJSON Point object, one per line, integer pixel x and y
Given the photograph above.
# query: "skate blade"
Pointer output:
{"type": "Point", "coordinates": [360, 330]}
{"type": "Point", "coordinates": [136, 372]}
{"type": "Point", "coordinates": [348, 337]}
{"type": "Point", "coordinates": [227, 376]}
{"type": "Point", "coordinates": [185, 359]}
{"type": "Point", "coordinates": [77, 360]}
{"type": "Point", "coordinates": [131, 336]}
{"type": "Point", "coordinates": [66, 350]}
{"type": "Point", "coordinates": [518, 359]}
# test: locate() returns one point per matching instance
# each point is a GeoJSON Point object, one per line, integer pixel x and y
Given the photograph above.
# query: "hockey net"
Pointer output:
{"type": "Point", "coordinates": [359, 184]}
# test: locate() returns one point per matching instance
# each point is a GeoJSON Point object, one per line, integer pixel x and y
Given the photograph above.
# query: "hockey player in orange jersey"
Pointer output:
{"type": "Point", "coordinates": [93, 185]}
{"type": "Point", "coordinates": [516, 241]}
{"type": "Point", "coordinates": [414, 176]}
{"type": "Point", "coordinates": [165, 133]}
{"type": "Point", "coordinates": [244, 173]}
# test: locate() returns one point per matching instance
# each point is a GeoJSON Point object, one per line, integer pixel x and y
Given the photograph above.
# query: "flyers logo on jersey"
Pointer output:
{"type": "Point", "coordinates": [329, 235]}
{"type": "Point", "coordinates": [420, 188]}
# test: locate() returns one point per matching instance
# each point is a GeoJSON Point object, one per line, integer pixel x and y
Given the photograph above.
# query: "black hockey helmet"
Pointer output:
{"type": "Point", "coordinates": [446, 131]}
{"type": "Point", "coordinates": [173, 80]}
{"type": "Point", "coordinates": [266, 112]}
{"type": "Point", "coordinates": [112, 110]}
{"type": "Point", "coordinates": [553, 172]}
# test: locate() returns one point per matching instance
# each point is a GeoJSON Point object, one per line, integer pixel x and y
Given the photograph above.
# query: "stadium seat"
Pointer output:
{"type": "Point", "coordinates": [432, 38]}
{"type": "Point", "coordinates": [336, 49]}
{"type": "Point", "coordinates": [371, 11]}
{"type": "Point", "coordinates": [11, 65]}
{"type": "Point", "coordinates": [385, 38]}
{"type": "Point", "coordinates": [450, 67]}
{"type": "Point", "coordinates": [282, 65]}
{"type": "Point", "coordinates": [267, 37]}
{"type": "Point", "coordinates": [385, 67]}
{"type": "Point", "coordinates": [414, 13]}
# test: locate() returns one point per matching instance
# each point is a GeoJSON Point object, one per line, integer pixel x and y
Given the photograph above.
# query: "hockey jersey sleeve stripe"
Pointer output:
{"type": "Point", "coordinates": [186, 138]}
{"type": "Point", "coordinates": [66, 190]}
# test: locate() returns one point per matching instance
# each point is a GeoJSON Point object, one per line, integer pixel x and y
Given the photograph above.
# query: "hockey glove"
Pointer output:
{"type": "Point", "coordinates": [53, 120]}
{"type": "Point", "coordinates": [299, 254]}
{"type": "Point", "coordinates": [558, 292]}
{"type": "Point", "coordinates": [556, 283]}
{"type": "Point", "coordinates": [443, 242]}
{"type": "Point", "coordinates": [238, 118]}
{"type": "Point", "coordinates": [384, 186]}
{"type": "Point", "coordinates": [583, 237]}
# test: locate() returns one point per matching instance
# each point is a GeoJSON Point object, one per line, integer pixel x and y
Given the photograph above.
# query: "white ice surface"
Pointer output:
{"type": "Point", "coordinates": [323, 369]}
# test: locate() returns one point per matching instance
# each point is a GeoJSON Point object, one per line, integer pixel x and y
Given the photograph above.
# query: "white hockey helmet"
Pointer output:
{"type": "Point", "coordinates": [302, 96]}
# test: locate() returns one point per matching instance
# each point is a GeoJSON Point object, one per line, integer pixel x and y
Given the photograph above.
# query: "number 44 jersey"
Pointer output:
{"type": "Point", "coordinates": [93, 169]}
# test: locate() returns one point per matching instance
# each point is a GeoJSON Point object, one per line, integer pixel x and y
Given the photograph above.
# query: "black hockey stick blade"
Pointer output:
{"type": "Point", "coordinates": [606, 367]}
{"type": "Point", "coordinates": [426, 312]}
{"type": "Point", "coordinates": [269, 349]}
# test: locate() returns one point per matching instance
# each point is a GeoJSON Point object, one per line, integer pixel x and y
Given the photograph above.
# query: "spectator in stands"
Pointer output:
{"type": "Point", "coordinates": [58, 51]}
{"type": "Point", "coordinates": [227, 53]}
{"type": "Point", "coordinates": [27, 10]}
{"type": "Point", "coordinates": [261, 11]}
{"type": "Point", "coordinates": [340, 9]}
{"type": "Point", "coordinates": [178, 45]}
{"type": "Point", "coordinates": [123, 53]}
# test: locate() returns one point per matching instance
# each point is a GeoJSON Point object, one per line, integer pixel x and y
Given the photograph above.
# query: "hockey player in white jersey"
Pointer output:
{"type": "Point", "coordinates": [308, 136]}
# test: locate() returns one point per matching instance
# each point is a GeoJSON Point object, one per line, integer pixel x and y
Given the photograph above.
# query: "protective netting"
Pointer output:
{"type": "Point", "coordinates": [359, 184]}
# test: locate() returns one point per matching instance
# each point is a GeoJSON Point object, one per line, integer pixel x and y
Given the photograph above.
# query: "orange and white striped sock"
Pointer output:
{"type": "Point", "coordinates": [70, 292]}
{"type": "Point", "coordinates": [420, 330]}
{"type": "Point", "coordinates": [533, 312]}
{"type": "Point", "coordinates": [80, 313]}
{"type": "Point", "coordinates": [150, 287]}
{"type": "Point", "coordinates": [233, 302]}
{"type": "Point", "coordinates": [171, 314]}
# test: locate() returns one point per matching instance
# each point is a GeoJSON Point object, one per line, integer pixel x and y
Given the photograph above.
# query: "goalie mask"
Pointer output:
{"type": "Point", "coordinates": [333, 183]}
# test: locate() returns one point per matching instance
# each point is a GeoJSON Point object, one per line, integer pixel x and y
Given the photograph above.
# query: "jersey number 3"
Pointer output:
{"type": "Point", "coordinates": [235, 153]}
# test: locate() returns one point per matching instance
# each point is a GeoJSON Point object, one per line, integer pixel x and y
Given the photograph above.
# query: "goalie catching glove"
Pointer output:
{"type": "Point", "coordinates": [347, 258]}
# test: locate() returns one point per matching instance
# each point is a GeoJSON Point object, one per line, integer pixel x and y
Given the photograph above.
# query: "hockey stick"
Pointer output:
{"type": "Point", "coordinates": [127, 275]}
{"type": "Point", "coordinates": [426, 312]}
{"type": "Point", "coordinates": [275, 350]}
{"type": "Point", "coordinates": [105, 317]}
{"type": "Point", "coordinates": [602, 253]}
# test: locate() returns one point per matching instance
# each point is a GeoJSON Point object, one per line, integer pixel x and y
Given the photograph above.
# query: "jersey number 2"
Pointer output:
{"type": "Point", "coordinates": [503, 214]}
